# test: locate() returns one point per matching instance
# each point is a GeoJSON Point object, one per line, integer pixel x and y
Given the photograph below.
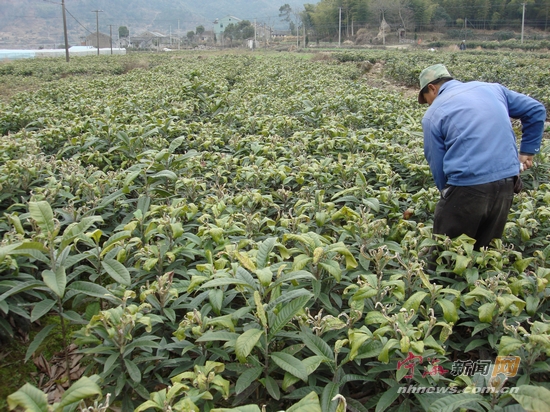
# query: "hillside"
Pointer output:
{"type": "Point", "coordinates": [35, 23]}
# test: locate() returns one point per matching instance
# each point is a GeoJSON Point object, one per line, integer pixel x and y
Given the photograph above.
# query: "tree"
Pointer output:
{"type": "Point", "coordinates": [246, 29]}
{"type": "Point", "coordinates": [123, 31]}
{"type": "Point", "coordinates": [190, 35]}
{"type": "Point", "coordinates": [240, 31]}
{"type": "Point", "coordinates": [199, 30]}
{"type": "Point", "coordinates": [285, 13]}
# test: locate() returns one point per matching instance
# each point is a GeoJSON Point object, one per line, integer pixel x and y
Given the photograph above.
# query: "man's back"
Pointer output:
{"type": "Point", "coordinates": [468, 132]}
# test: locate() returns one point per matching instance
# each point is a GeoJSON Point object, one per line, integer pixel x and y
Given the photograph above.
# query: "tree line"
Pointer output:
{"type": "Point", "coordinates": [325, 17]}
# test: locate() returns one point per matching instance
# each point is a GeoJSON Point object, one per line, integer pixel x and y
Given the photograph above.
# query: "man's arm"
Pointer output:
{"type": "Point", "coordinates": [434, 151]}
{"type": "Point", "coordinates": [532, 115]}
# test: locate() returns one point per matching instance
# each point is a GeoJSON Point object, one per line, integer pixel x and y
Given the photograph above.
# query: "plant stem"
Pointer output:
{"type": "Point", "coordinates": [64, 340]}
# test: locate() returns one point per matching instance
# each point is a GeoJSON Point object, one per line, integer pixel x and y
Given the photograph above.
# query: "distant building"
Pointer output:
{"type": "Point", "coordinates": [280, 34]}
{"type": "Point", "coordinates": [263, 32]}
{"type": "Point", "coordinates": [104, 40]}
{"type": "Point", "coordinates": [206, 36]}
{"type": "Point", "coordinates": [221, 24]}
{"type": "Point", "coordinates": [150, 39]}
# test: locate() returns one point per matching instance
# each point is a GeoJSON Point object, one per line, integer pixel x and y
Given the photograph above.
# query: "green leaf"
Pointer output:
{"type": "Point", "coordinates": [449, 310]}
{"type": "Point", "coordinates": [317, 345]}
{"type": "Point", "coordinates": [475, 344]}
{"type": "Point", "coordinates": [312, 363]}
{"type": "Point", "coordinates": [486, 312]}
{"type": "Point", "coordinates": [6, 250]}
{"type": "Point", "coordinates": [21, 287]}
{"type": "Point", "coordinates": [42, 213]}
{"type": "Point", "coordinates": [117, 271]}
{"type": "Point", "coordinates": [272, 388]}
{"type": "Point", "coordinates": [76, 229]}
{"type": "Point", "coordinates": [288, 381]}
{"type": "Point", "coordinates": [81, 389]}
{"type": "Point", "coordinates": [357, 339]}
{"type": "Point", "coordinates": [224, 282]}
{"type": "Point", "coordinates": [290, 364]}
{"type": "Point", "coordinates": [508, 345]}
{"type": "Point", "coordinates": [218, 336]}
{"type": "Point", "coordinates": [246, 342]}
{"type": "Point", "coordinates": [286, 314]}
{"type": "Point", "coordinates": [387, 398]}
{"type": "Point", "coordinates": [478, 292]}
{"type": "Point", "coordinates": [117, 237]}
{"type": "Point", "coordinates": [532, 304]}
{"type": "Point", "coordinates": [38, 339]}
{"type": "Point", "coordinates": [289, 277]}
{"type": "Point", "coordinates": [56, 281]}
{"type": "Point", "coordinates": [461, 264]}
{"type": "Point", "coordinates": [29, 398]}
{"type": "Point", "coordinates": [131, 177]}
{"type": "Point", "coordinates": [177, 142]}
{"type": "Point", "coordinates": [41, 308]}
{"type": "Point", "coordinates": [133, 370]}
{"type": "Point", "coordinates": [262, 257]}
{"type": "Point", "coordinates": [286, 297]}
{"type": "Point", "coordinates": [533, 398]}
{"type": "Point", "coordinates": [30, 246]}
{"type": "Point", "coordinates": [453, 402]}
{"type": "Point", "coordinates": [415, 300]}
{"type": "Point", "coordinates": [385, 353]}
{"type": "Point", "coordinates": [309, 403]}
{"type": "Point", "coordinates": [342, 249]}
{"type": "Point", "coordinates": [141, 342]}
{"type": "Point", "coordinates": [151, 404]}
{"type": "Point", "coordinates": [215, 297]}
{"type": "Point", "coordinates": [356, 406]}
{"type": "Point", "coordinates": [329, 392]}
{"type": "Point", "coordinates": [165, 173]}
{"type": "Point", "coordinates": [521, 264]}
{"type": "Point", "coordinates": [245, 408]}
{"type": "Point", "coordinates": [265, 276]}
{"type": "Point", "coordinates": [332, 268]}
{"type": "Point", "coordinates": [92, 289]}
{"type": "Point", "coordinates": [247, 378]}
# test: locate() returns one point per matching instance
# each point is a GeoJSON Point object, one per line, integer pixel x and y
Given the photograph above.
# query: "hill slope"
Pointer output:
{"type": "Point", "coordinates": [34, 23]}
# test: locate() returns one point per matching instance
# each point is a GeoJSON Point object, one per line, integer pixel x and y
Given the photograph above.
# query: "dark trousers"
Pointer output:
{"type": "Point", "coordinates": [479, 211]}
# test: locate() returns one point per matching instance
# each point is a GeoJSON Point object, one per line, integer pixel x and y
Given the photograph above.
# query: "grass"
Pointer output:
{"type": "Point", "coordinates": [11, 85]}
{"type": "Point", "coordinates": [14, 371]}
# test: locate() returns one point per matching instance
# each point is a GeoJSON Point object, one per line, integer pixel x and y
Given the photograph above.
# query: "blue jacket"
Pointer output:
{"type": "Point", "coordinates": [468, 136]}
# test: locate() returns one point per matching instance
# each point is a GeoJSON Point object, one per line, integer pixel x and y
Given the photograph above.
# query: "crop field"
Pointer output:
{"type": "Point", "coordinates": [249, 232]}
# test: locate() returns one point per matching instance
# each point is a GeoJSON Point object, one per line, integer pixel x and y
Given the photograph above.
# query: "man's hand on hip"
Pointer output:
{"type": "Point", "coordinates": [526, 162]}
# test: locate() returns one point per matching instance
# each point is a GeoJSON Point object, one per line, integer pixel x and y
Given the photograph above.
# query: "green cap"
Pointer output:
{"type": "Point", "coordinates": [428, 75]}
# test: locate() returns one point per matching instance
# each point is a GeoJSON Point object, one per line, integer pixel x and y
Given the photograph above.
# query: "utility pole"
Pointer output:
{"type": "Point", "coordinates": [304, 27]}
{"type": "Point", "coordinates": [297, 33]}
{"type": "Point", "coordinates": [522, 21]}
{"type": "Point", "coordinates": [340, 27]}
{"type": "Point", "coordinates": [179, 34]}
{"type": "Point", "coordinates": [254, 45]}
{"type": "Point", "coordinates": [65, 32]}
{"type": "Point", "coordinates": [383, 29]}
{"type": "Point", "coordinates": [111, 36]}
{"type": "Point", "coordinates": [97, 27]}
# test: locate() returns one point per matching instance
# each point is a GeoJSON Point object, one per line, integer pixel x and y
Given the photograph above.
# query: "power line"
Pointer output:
{"type": "Point", "coordinates": [85, 28]}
